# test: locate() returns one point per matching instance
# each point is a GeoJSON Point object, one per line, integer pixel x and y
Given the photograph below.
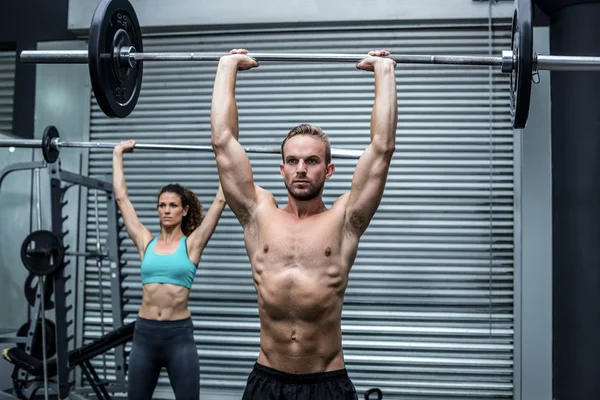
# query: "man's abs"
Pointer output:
{"type": "Point", "coordinates": [301, 347]}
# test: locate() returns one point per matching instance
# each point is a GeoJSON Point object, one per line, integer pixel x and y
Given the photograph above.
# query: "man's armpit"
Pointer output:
{"type": "Point", "coordinates": [243, 215]}
{"type": "Point", "coordinates": [357, 221]}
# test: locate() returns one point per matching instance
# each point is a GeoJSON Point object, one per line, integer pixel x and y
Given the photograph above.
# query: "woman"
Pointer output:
{"type": "Point", "coordinates": [164, 333]}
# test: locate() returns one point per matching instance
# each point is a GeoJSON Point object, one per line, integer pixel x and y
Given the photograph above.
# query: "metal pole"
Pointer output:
{"type": "Point", "coordinates": [335, 153]}
{"type": "Point", "coordinates": [312, 57]}
{"type": "Point", "coordinates": [99, 265]}
{"type": "Point", "coordinates": [38, 196]}
{"type": "Point", "coordinates": [176, 147]}
{"type": "Point", "coordinates": [104, 145]}
{"type": "Point", "coordinates": [41, 280]}
{"type": "Point", "coordinates": [56, 143]}
{"type": "Point", "coordinates": [544, 62]}
{"type": "Point", "coordinates": [55, 56]}
{"type": "Point", "coordinates": [567, 63]}
{"type": "Point", "coordinates": [60, 295]}
{"type": "Point", "coordinates": [81, 57]}
{"type": "Point", "coordinates": [116, 277]}
{"type": "Point", "coordinates": [28, 143]}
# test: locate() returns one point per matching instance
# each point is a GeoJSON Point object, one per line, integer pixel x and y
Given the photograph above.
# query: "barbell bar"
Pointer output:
{"type": "Point", "coordinates": [115, 57]}
{"type": "Point", "coordinates": [129, 55]}
{"type": "Point", "coordinates": [506, 61]}
{"type": "Point", "coordinates": [51, 146]}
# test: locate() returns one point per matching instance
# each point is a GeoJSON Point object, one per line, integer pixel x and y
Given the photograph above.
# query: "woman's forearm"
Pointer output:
{"type": "Point", "coordinates": [119, 185]}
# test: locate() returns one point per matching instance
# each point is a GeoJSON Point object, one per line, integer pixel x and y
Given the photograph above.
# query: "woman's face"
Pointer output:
{"type": "Point", "coordinates": [171, 210]}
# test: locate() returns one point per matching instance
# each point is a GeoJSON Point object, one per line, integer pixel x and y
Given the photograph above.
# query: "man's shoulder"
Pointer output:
{"type": "Point", "coordinates": [341, 201]}
{"type": "Point", "coordinates": [264, 199]}
{"type": "Point", "coordinates": [263, 194]}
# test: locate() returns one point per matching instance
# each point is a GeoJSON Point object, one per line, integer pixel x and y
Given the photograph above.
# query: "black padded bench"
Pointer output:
{"type": "Point", "coordinates": [77, 357]}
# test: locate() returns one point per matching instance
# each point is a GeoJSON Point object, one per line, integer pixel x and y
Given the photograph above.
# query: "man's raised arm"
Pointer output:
{"type": "Point", "coordinates": [235, 172]}
{"type": "Point", "coordinates": [372, 168]}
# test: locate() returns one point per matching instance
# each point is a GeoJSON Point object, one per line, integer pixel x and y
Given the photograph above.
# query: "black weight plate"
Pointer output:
{"type": "Point", "coordinates": [31, 290]}
{"type": "Point", "coordinates": [116, 85]}
{"type": "Point", "coordinates": [42, 253]}
{"type": "Point", "coordinates": [49, 151]}
{"type": "Point", "coordinates": [37, 345]}
{"type": "Point", "coordinates": [522, 47]}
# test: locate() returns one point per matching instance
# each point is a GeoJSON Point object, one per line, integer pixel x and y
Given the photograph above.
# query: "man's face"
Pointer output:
{"type": "Point", "coordinates": [304, 169]}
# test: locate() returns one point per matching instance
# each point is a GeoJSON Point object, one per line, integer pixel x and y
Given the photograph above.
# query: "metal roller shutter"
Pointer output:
{"type": "Point", "coordinates": [7, 90]}
{"type": "Point", "coordinates": [429, 308]}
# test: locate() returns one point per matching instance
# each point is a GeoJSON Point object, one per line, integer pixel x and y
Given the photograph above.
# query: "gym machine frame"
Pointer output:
{"type": "Point", "coordinates": [13, 338]}
{"type": "Point", "coordinates": [63, 389]}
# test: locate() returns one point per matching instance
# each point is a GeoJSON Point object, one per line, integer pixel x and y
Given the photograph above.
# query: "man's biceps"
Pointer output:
{"type": "Point", "coordinates": [233, 193]}
{"type": "Point", "coordinates": [364, 200]}
{"type": "Point", "coordinates": [244, 203]}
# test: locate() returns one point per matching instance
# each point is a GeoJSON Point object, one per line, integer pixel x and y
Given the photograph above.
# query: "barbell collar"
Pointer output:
{"type": "Point", "coordinates": [126, 56]}
{"type": "Point", "coordinates": [508, 61]}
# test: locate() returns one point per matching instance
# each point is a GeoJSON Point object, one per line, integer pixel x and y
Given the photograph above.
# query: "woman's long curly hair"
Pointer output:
{"type": "Point", "coordinates": [195, 213]}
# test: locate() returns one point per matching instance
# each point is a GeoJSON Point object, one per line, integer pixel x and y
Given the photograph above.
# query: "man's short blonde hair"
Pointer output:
{"type": "Point", "coordinates": [309, 130]}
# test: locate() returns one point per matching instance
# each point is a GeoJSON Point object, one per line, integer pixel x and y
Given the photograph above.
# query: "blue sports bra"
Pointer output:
{"type": "Point", "coordinates": [175, 268]}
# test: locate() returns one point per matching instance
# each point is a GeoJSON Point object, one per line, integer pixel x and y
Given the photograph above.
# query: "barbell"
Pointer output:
{"type": "Point", "coordinates": [51, 146]}
{"type": "Point", "coordinates": [115, 57]}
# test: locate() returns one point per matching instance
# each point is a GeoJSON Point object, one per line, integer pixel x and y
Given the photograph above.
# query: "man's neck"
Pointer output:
{"type": "Point", "coordinates": [302, 209]}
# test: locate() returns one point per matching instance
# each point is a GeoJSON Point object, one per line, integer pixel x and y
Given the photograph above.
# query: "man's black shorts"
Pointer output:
{"type": "Point", "coordinates": [266, 383]}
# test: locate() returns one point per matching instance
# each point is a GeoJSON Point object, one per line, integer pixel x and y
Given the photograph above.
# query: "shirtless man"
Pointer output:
{"type": "Point", "coordinates": [301, 254]}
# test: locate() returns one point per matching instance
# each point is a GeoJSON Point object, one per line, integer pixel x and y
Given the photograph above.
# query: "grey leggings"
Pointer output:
{"type": "Point", "coordinates": [158, 344]}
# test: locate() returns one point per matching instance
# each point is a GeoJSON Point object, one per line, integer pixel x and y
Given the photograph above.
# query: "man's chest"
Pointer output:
{"type": "Point", "coordinates": [317, 236]}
